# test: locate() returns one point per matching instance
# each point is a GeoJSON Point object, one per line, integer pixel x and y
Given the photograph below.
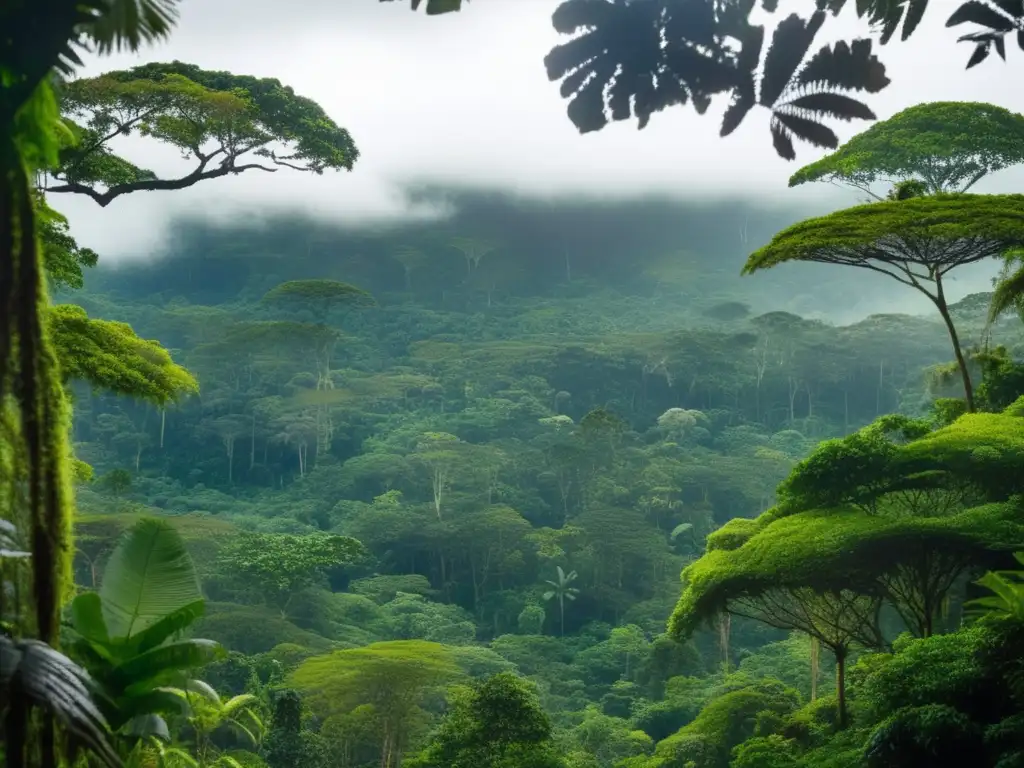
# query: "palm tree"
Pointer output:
{"type": "Point", "coordinates": [563, 592]}
{"type": "Point", "coordinates": [209, 713]}
{"type": "Point", "coordinates": [1009, 292]}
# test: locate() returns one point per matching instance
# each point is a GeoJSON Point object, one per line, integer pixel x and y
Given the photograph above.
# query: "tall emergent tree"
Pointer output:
{"type": "Point", "coordinates": [947, 146]}
{"type": "Point", "coordinates": [917, 242]}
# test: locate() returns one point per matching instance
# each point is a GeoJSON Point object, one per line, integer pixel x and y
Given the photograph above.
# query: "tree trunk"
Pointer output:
{"type": "Point", "coordinates": [965, 374]}
{"type": "Point", "coordinates": [815, 666]}
{"type": "Point", "coordinates": [163, 424]}
{"type": "Point", "coordinates": [841, 686]}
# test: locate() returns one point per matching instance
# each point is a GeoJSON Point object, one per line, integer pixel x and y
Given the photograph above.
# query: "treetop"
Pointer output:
{"type": "Point", "coordinates": [948, 145]}
{"type": "Point", "coordinates": [835, 549]}
{"type": "Point", "coordinates": [939, 231]}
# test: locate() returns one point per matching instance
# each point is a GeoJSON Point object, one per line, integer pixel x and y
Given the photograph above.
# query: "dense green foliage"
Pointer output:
{"type": "Point", "coordinates": [948, 146]}
{"type": "Point", "coordinates": [508, 463]}
{"type": "Point", "coordinates": [428, 486]}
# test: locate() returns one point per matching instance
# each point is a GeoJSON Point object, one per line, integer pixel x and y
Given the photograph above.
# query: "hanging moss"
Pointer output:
{"type": "Point", "coordinates": [35, 411]}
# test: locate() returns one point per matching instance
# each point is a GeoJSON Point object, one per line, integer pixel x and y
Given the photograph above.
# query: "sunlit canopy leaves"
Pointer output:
{"type": "Point", "coordinates": [319, 295]}
{"type": "Point", "coordinates": [834, 550]}
{"type": "Point", "coordinates": [939, 232]}
{"type": "Point", "coordinates": [108, 355]}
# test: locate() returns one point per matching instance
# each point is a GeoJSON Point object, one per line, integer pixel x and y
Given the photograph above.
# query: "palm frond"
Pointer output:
{"type": "Point", "coordinates": [1009, 292]}
{"type": "Point", "coordinates": [129, 24]}
{"type": "Point", "coordinates": [32, 674]}
{"type": "Point", "coordinates": [803, 95]}
{"type": "Point", "coordinates": [884, 16]}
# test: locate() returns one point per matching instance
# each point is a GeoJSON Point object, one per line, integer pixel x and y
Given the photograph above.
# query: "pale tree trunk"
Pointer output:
{"type": "Point", "coordinates": [724, 630]}
{"type": "Point", "coordinates": [815, 666]}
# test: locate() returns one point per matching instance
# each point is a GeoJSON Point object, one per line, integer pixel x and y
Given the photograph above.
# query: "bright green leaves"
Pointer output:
{"type": "Point", "coordinates": [224, 123]}
{"type": "Point", "coordinates": [279, 565]}
{"type": "Point", "coordinates": [1007, 598]}
{"type": "Point", "coordinates": [124, 634]}
{"type": "Point", "coordinates": [63, 258]}
{"type": "Point", "coordinates": [946, 145]}
{"type": "Point", "coordinates": [148, 577]}
{"type": "Point", "coordinates": [109, 356]}
{"type": "Point", "coordinates": [948, 230]}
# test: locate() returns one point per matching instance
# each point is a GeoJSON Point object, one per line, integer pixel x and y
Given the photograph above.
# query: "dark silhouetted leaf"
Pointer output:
{"type": "Point", "coordinates": [743, 100]}
{"type": "Point", "coordinates": [32, 674]}
{"type": "Point", "coordinates": [849, 67]}
{"type": "Point", "coordinates": [807, 130]}
{"type": "Point", "coordinates": [790, 43]}
{"type": "Point", "coordinates": [834, 105]}
{"type": "Point", "coordinates": [975, 12]}
{"type": "Point", "coordinates": [783, 144]}
{"type": "Point", "coordinates": [981, 52]}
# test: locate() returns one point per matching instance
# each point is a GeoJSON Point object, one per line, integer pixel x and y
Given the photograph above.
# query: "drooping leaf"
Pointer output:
{"type": "Point", "coordinates": [32, 674]}
{"type": "Point", "coordinates": [162, 664]}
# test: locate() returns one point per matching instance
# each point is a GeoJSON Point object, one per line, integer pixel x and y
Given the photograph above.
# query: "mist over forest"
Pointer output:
{"type": "Point", "coordinates": [684, 256]}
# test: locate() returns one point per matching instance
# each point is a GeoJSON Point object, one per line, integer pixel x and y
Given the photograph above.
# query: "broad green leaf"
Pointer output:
{"type": "Point", "coordinates": [87, 618]}
{"type": "Point", "coordinates": [149, 576]}
{"type": "Point", "coordinates": [155, 634]}
{"type": "Point", "coordinates": [162, 663]}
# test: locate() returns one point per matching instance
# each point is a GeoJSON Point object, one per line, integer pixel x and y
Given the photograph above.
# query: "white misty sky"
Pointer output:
{"type": "Point", "coordinates": [464, 98]}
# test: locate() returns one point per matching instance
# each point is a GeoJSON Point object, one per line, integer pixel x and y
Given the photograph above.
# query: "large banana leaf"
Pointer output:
{"type": "Point", "coordinates": [162, 665]}
{"type": "Point", "coordinates": [149, 576]}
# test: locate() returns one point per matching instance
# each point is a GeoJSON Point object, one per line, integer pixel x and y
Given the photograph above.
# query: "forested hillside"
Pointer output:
{"type": "Point", "coordinates": [688, 482]}
{"type": "Point", "coordinates": [530, 430]}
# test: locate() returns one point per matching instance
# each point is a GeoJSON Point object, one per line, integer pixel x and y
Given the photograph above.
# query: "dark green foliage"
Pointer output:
{"type": "Point", "coordinates": [287, 744]}
{"type": "Point", "coordinates": [499, 724]}
{"type": "Point", "coordinates": [63, 257]}
{"type": "Point", "coordinates": [921, 737]}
